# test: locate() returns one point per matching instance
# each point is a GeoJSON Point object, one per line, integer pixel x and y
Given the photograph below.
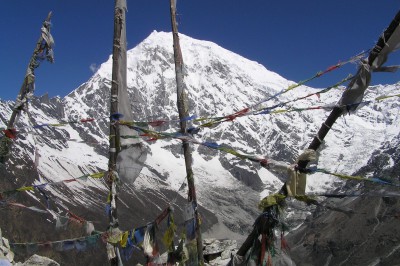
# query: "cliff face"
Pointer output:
{"type": "Point", "coordinates": [368, 234]}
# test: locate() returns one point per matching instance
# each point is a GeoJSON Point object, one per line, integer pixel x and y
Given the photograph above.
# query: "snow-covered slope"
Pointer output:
{"type": "Point", "coordinates": [218, 83]}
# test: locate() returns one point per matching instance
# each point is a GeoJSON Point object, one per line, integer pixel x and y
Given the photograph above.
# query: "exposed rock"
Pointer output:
{"type": "Point", "coordinates": [368, 237]}
{"type": "Point", "coordinates": [218, 252]}
{"type": "Point", "coordinates": [37, 260]}
{"type": "Point", "coordinates": [6, 255]}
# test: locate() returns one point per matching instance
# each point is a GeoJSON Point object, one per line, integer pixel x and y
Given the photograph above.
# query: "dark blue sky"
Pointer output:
{"type": "Point", "coordinates": [293, 38]}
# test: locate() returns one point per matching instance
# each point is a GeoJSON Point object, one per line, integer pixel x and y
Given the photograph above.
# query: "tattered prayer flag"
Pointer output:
{"type": "Point", "coordinates": [212, 145]}
{"type": "Point", "coordinates": [68, 245]}
{"type": "Point", "coordinates": [386, 96]}
{"type": "Point", "coordinates": [387, 43]}
{"type": "Point", "coordinates": [87, 120]}
{"type": "Point", "coordinates": [32, 247]}
{"type": "Point", "coordinates": [237, 114]}
{"type": "Point", "coordinates": [208, 124]}
{"type": "Point", "coordinates": [127, 252]}
{"type": "Point", "coordinates": [350, 177]}
{"type": "Point", "coordinates": [76, 218]}
{"type": "Point", "coordinates": [168, 237]}
{"type": "Point", "coordinates": [114, 236]}
{"type": "Point", "coordinates": [129, 137]}
{"type": "Point", "coordinates": [70, 180]}
{"type": "Point", "coordinates": [157, 123]}
{"type": "Point", "coordinates": [149, 245]}
{"type": "Point", "coordinates": [89, 228]}
{"type": "Point", "coordinates": [233, 152]}
{"type": "Point", "coordinates": [292, 87]}
{"type": "Point", "coordinates": [10, 133]}
{"type": "Point", "coordinates": [80, 244]}
{"type": "Point", "coordinates": [124, 239]}
{"type": "Point", "coordinates": [139, 235]}
{"type": "Point", "coordinates": [93, 240]}
{"type": "Point", "coordinates": [25, 188]}
{"type": "Point", "coordinates": [33, 208]}
{"type": "Point", "coordinates": [116, 116]}
{"type": "Point", "coordinates": [190, 229]}
{"type": "Point", "coordinates": [279, 111]}
{"type": "Point", "coordinates": [189, 118]}
{"type": "Point", "coordinates": [189, 212]}
{"type": "Point", "coordinates": [5, 262]}
{"type": "Point", "coordinates": [133, 154]}
{"type": "Point", "coordinates": [193, 130]}
{"type": "Point", "coordinates": [97, 175]}
{"type": "Point", "coordinates": [108, 209]}
{"type": "Point", "coordinates": [41, 125]}
{"type": "Point", "coordinates": [61, 222]}
{"type": "Point", "coordinates": [57, 125]}
{"type": "Point", "coordinates": [271, 200]}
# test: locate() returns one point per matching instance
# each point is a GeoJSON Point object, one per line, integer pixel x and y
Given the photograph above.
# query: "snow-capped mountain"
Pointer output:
{"type": "Point", "coordinates": [218, 83]}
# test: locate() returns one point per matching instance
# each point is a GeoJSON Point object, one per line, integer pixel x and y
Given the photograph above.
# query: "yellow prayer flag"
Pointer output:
{"type": "Point", "coordinates": [97, 175]}
{"type": "Point", "coordinates": [124, 239]}
{"type": "Point", "coordinates": [24, 188]}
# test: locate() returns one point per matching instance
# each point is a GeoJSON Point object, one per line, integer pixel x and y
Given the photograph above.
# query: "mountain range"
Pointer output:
{"type": "Point", "coordinates": [219, 83]}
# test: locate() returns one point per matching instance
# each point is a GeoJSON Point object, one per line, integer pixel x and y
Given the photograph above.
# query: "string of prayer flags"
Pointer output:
{"type": "Point", "coordinates": [355, 58]}
{"type": "Point", "coordinates": [212, 145]}
{"type": "Point", "coordinates": [375, 193]}
{"type": "Point", "coordinates": [13, 132]}
{"type": "Point", "coordinates": [313, 170]}
{"type": "Point", "coordinates": [329, 107]}
{"type": "Point", "coordinates": [32, 208]}
{"type": "Point", "coordinates": [231, 117]}
{"type": "Point", "coordinates": [142, 238]}
{"type": "Point", "coordinates": [40, 186]}
{"type": "Point", "coordinates": [43, 51]}
{"type": "Point", "coordinates": [61, 221]}
{"type": "Point", "coordinates": [160, 135]}
{"type": "Point", "coordinates": [213, 121]}
{"type": "Point", "coordinates": [383, 97]}
{"type": "Point", "coordinates": [266, 110]}
{"type": "Point", "coordinates": [80, 244]}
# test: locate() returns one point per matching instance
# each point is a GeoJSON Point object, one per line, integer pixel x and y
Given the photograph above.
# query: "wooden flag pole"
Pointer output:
{"type": "Point", "coordinates": [182, 103]}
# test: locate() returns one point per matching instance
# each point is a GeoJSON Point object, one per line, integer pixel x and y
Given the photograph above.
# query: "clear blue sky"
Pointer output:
{"type": "Point", "coordinates": [293, 38]}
